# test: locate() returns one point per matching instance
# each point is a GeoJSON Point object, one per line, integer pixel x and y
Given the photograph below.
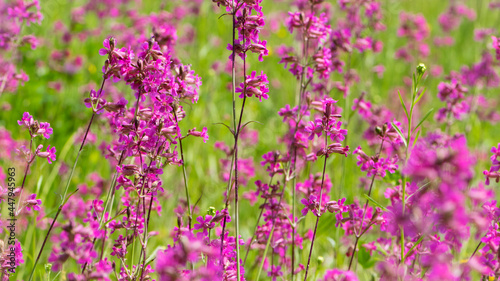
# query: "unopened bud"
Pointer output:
{"type": "Point", "coordinates": [421, 69]}
{"type": "Point", "coordinates": [48, 267]}
{"type": "Point", "coordinates": [320, 260]}
{"type": "Point", "coordinates": [112, 43]}
{"type": "Point", "coordinates": [211, 211]}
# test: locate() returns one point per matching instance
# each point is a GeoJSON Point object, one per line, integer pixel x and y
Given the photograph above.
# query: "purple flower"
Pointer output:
{"type": "Point", "coordinates": [204, 223]}
{"type": "Point", "coordinates": [255, 85]}
{"type": "Point", "coordinates": [32, 202]}
{"type": "Point", "coordinates": [108, 48]}
{"type": "Point", "coordinates": [203, 133]}
{"type": "Point", "coordinates": [50, 154]}
{"type": "Point", "coordinates": [494, 171]}
{"type": "Point", "coordinates": [26, 121]}
{"type": "Point", "coordinates": [45, 130]}
{"type": "Point", "coordinates": [496, 46]}
{"type": "Point", "coordinates": [35, 127]}
{"type": "Point", "coordinates": [310, 205]}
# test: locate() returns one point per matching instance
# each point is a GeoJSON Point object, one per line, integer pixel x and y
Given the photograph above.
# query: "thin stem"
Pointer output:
{"type": "Point", "coordinates": [353, 251]}
{"type": "Point", "coordinates": [365, 208]}
{"type": "Point", "coordinates": [233, 90]}
{"type": "Point", "coordinates": [254, 231]}
{"type": "Point", "coordinates": [236, 205]}
{"type": "Point", "coordinates": [184, 174]}
{"type": "Point", "coordinates": [68, 183]}
{"type": "Point", "coordinates": [146, 227]}
{"type": "Point", "coordinates": [257, 224]}
{"type": "Point", "coordinates": [319, 207]}
{"type": "Point", "coordinates": [65, 200]}
{"type": "Point", "coordinates": [475, 251]}
{"type": "Point", "coordinates": [28, 164]}
{"type": "Point", "coordinates": [305, 58]}
{"type": "Point", "coordinates": [415, 82]}
{"type": "Point", "coordinates": [270, 234]}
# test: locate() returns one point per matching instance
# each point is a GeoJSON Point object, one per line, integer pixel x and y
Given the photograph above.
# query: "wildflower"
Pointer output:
{"type": "Point", "coordinates": [50, 154]}
{"type": "Point", "coordinates": [32, 202]}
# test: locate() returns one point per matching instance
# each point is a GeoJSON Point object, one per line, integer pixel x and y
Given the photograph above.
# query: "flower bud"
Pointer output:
{"type": "Point", "coordinates": [320, 260]}
{"type": "Point", "coordinates": [129, 170]}
{"type": "Point", "coordinates": [112, 43]}
{"type": "Point", "coordinates": [48, 267]}
{"type": "Point", "coordinates": [421, 69]}
{"type": "Point", "coordinates": [211, 211]}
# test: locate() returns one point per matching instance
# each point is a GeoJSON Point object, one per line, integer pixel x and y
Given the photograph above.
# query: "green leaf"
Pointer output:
{"type": "Point", "coordinates": [399, 132]}
{"type": "Point", "coordinates": [403, 104]}
{"type": "Point", "coordinates": [380, 248]}
{"type": "Point", "coordinates": [420, 96]}
{"type": "Point", "coordinates": [229, 128]}
{"type": "Point", "coordinates": [364, 258]}
{"type": "Point", "coordinates": [153, 255]}
{"type": "Point", "coordinates": [425, 117]}
{"type": "Point", "coordinates": [244, 125]}
{"type": "Point", "coordinates": [392, 178]}
{"type": "Point", "coordinates": [419, 189]}
{"type": "Point", "coordinates": [414, 246]}
{"type": "Point", "coordinates": [416, 138]}
{"type": "Point", "coordinates": [332, 242]}
{"type": "Point", "coordinates": [375, 202]}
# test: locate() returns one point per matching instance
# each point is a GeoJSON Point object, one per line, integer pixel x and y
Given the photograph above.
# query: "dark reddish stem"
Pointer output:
{"type": "Point", "coordinates": [67, 185]}
{"type": "Point", "coordinates": [319, 211]}
{"type": "Point", "coordinates": [361, 232]}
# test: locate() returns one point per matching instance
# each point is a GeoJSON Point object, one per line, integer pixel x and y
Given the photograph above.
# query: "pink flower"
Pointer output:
{"type": "Point", "coordinates": [32, 202]}
{"type": "Point", "coordinates": [50, 154]}
{"type": "Point", "coordinates": [203, 133]}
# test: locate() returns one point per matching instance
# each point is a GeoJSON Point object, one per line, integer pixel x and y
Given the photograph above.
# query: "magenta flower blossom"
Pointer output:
{"type": "Point", "coordinates": [45, 130]}
{"type": "Point", "coordinates": [494, 171]}
{"type": "Point", "coordinates": [311, 204]}
{"type": "Point", "coordinates": [275, 272]}
{"type": "Point", "coordinates": [375, 165]}
{"type": "Point", "coordinates": [108, 47]}
{"type": "Point", "coordinates": [32, 202]}
{"type": "Point", "coordinates": [26, 121]}
{"type": "Point", "coordinates": [202, 134]}
{"type": "Point", "coordinates": [255, 85]}
{"type": "Point", "coordinates": [35, 128]}
{"type": "Point", "coordinates": [20, 11]}
{"type": "Point", "coordinates": [204, 223]}
{"type": "Point", "coordinates": [50, 154]}
{"type": "Point", "coordinates": [496, 46]}
{"type": "Point", "coordinates": [339, 275]}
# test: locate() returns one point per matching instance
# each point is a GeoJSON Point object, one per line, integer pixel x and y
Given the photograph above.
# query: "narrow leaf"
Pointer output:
{"type": "Point", "coordinates": [155, 252]}
{"type": "Point", "coordinates": [420, 96]}
{"type": "Point", "coordinates": [229, 128]}
{"type": "Point", "coordinates": [418, 190]}
{"type": "Point", "coordinates": [375, 202]}
{"type": "Point", "coordinates": [416, 138]}
{"type": "Point", "coordinates": [244, 125]}
{"type": "Point", "coordinates": [403, 104]}
{"type": "Point", "coordinates": [425, 117]}
{"type": "Point", "coordinates": [400, 133]}
{"type": "Point", "coordinates": [71, 194]}
{"type": "Point", "coordinates": [414, 246]}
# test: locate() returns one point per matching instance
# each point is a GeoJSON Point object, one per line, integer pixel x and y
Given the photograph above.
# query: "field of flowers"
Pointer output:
{"type": "Point", "coordinates": [335, 140]}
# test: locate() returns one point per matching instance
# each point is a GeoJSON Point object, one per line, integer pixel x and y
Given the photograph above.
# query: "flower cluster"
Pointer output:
{"type": "Point", "coordinates": [453, 94]}
{"type": "Point", "coordinates": [494, 171]}
{"type": "Point", "coordinates": [14, 15]}
{"type": "Point", "coordinates": [416, 30]}
{"type": "Point", "coordinates": [35, 129]}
